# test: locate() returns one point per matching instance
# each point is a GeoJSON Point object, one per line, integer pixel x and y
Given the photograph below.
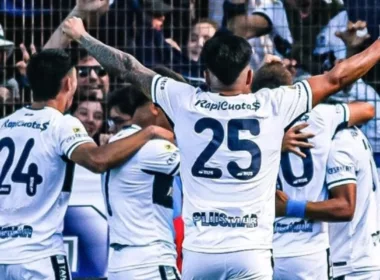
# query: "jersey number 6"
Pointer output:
{"type": "Point", "coordinates": [234, 144]}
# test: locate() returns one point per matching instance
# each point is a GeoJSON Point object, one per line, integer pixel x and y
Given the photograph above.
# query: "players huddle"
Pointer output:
{"type": "Point", "coordinates": [229, 158]}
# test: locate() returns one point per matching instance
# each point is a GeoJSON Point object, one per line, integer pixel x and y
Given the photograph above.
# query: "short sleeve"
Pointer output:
{"type": "Point", "coordinates": [71, 133]}
{"type": "Point", "coordinates": [340, 165]}
{"type": "Point", "coordinates": [335, 117]}
{"type": "Point", "coordinates": [169, 95]}
{"type": "Point", "coordinates": [293, 101]}
{"type": "Point", "coordinates": [159, 156]}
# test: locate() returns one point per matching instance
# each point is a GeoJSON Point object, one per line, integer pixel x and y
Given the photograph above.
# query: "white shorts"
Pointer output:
{"type": "Point", "coordinates": [50, 268]}
{"type": "Point", "coordinates": [161, 272]}
{"type": "Point", "coordinates": [248, 265]}
{"type": "Point", "coordinates": [308, 267]}
{"type": "Point", "coordinates": [368, 275]}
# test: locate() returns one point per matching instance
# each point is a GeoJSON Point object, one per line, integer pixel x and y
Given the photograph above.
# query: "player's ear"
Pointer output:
{"type": "Point", "coordinates": [249, 77]}
{"type": "Point", "coordinates": [206, 75]}
{"type": "Point", "coordinates": [66, 84]}
{"type": "Point", "coordinates": [154, 109]}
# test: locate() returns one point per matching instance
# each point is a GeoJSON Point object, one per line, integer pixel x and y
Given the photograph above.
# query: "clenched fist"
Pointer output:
{"type": "Point", "coordinates": [74, 28]}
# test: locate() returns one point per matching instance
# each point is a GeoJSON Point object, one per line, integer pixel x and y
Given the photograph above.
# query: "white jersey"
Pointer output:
{"type": "Point", "coordinates": [35, 181]}
{"type": "Point", "coordinates": [139, 203]}
{"type": "Point", "coordinates": [303, 179]}
{"type": "Point", "coordinates": [230, 150]}
{"type": "Point", "coordinates": [354, 247]}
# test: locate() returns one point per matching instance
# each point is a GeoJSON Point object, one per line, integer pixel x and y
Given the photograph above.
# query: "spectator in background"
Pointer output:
{"type": "Point", "coordinates": [6, 49]}
{"type": "Point", "coordinates": [92, 78]}
{"type": "Point", "coordinates": [301, 30]}
{"type": "Point", "coordinates": [90, 111]}
{"type": "Point", "coordinates": [200, 32]}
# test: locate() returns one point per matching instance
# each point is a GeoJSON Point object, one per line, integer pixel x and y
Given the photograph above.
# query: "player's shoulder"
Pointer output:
{"type": "Point", "coordinates": [125, 132]}
{"type": "Point", "coordinates": [162, 82]}
{"type": "Point", "coordinates": [159, 146]}
{"type": "Point", "coordinates": [347, 138]}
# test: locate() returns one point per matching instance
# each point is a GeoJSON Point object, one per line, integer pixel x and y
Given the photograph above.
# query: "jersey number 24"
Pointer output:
{"type": "Point", "coordinates": [32, 179]}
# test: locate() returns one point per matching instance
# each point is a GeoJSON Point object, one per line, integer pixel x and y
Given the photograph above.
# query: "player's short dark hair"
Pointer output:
{"type": "Point", "coordinates": [127, 99]}
{"type": "Point", "coordinates": [226, 56]}
{"type": "Point", "coordinates": [271, 76]}
{"type": "Point", "coordinates": [45, 72]}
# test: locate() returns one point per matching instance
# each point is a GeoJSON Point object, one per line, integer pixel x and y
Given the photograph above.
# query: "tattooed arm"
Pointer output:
{"type": "Point", "coordinates": [115, 62]}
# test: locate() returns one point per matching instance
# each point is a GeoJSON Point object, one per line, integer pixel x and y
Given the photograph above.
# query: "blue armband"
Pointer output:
{"type": "Point", "coordinates": [296, 208]}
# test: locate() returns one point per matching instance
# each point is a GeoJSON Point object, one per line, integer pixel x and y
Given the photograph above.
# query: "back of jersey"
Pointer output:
{"type": "Point", "coordinates": [139, 203]}
{"type": "Point", "coordinates": [35, 181]}
{"type": "Point", "coordinates": [303, 179]}
{"type": "Point", "coordinates": [230, 154]}
{"type": "Point", "coordinates": [354, 245]}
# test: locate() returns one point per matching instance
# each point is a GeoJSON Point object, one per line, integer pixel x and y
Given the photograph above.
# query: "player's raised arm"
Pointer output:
{"type": "Point", "coordinates": [114, 61]}
{"type": "Point", "coordinates": [344, 73]}
{"type": "Point", "coordinates": [90, 10]}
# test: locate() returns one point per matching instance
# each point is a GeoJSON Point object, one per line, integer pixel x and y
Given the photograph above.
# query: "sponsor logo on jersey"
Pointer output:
{"type": "Point", "coordinates": [300, 226]}
{"type": "Point", "coordinates": [33, 125]}
{"type": "Point", "coordinates": [76, 129]}
{"type": "Point", "coordinates": [71, 138]}
{"type": "Point", "coordinates": [224, 106]}
{"type": "Point", "coordinates": [23, 231]}
{"type": "Point", "coordinates": [173, 159]}
{"type": "Point", "coordinates": [304, 118]}
{"type": "Point", "coordinates": [213, 219]}
{"type": "Point", "coordinates": [163, 83]}
{"type": "Point", "coordinates": [337, 169]}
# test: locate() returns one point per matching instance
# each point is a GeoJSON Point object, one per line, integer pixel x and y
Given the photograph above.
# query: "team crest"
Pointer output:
{"type": "Point", "coordinates": [76, 129]}
{"type": "Point", "coordinates": [169, 147]}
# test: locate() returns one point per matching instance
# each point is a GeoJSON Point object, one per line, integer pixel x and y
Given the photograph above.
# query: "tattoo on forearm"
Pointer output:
{"type": "Point", "coordinates": [118, 63]}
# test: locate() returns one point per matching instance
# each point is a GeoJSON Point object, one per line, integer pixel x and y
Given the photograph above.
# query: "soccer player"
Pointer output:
{"type": "Point", "coordinates": [138, 195]}
{"type": "Point", "coordinates": [300, 246]}
{"type": "Point", "coordinates": [352, 208]}
{"type": "Point", "coordinates": [230, 146]}
{"type": "Point", "coordinates": [38, 148]}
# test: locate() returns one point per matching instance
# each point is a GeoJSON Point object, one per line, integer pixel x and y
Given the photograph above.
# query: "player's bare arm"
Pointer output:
{"type": "Point", "coordinates": [360, 113]}
{"type": "Point", "coordinates": [114, 61]}
{"type": "Point", "coordinates": [89, 10]}
{"type": "Point", "coordinates": [99, 159]}
{"type": "Point", "coordinates": [344, 73]}
{"type": "Point", "coordinates": [339, 208]}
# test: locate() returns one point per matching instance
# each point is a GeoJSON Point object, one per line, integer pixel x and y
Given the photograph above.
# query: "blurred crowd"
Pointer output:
{"type": "Point", "coordinates": [310, 35]}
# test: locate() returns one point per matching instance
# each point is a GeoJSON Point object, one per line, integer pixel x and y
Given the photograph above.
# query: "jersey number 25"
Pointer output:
{"type": "Point", "coordinates": [234, 144]}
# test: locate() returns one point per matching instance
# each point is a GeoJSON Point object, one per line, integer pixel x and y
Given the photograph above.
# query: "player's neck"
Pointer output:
{"type": "Point", "coordinates": [50, 103]}
{"type": "Point", "coordinates": [229, 92]}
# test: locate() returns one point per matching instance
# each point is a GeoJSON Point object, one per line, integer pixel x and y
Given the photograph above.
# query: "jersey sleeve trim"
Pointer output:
{"type": "Point", "coordinates": [309, 104]}
{"type": "Point", "coordinates": [175, 170]}
{"type": "Point", "coordinates": [346, 117]}
{"type": "Point", "coordinates": [341, 182]}
{"type": "Point", "coordinates": [73, 146]}
{"type": "Point", "coordinates": [153, 89]}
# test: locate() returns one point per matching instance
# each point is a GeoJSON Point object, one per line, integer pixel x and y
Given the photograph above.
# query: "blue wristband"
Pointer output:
{"type": "Point", "coordinates": [296, 208]}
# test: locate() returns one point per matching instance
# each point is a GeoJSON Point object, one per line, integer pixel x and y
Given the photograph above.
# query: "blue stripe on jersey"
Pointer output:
{"type": "Point", "coordinates": [308, 96]}
{"type": "Point", "coordinates": [69, 175]}
{"type": "Point", "coordinates": [174, 170]}
{"type": "Point", "coordinates": [153, 93]}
